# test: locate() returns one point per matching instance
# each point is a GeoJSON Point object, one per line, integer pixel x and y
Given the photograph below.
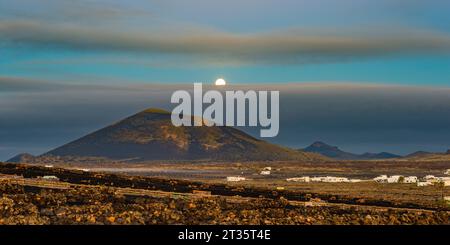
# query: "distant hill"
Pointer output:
{"type": "Point", "coordinates": [150, 135]}
{"type": "Point", "coordinates": [23, 158]}
{"type": "Point", "coordinates": [381, 155]}
{"type": "Point", "coordinates": [329, 151]}
{"type": "Point", "coordinates": [428, 156]}
{"type": "Point", "coordinates": [419, 154]}
{"type": "Point", "coordinates": [336, 153]}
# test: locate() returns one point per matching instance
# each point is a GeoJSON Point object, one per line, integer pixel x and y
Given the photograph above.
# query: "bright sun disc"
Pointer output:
{"type": "Point", "coordinates": [220, 82]}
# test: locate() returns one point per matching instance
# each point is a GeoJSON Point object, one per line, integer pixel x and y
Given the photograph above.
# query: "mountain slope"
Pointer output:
{"type": "Point", "coordinates": [428, 156]}
{"type": "Point", "coordinates": [335, 153]}
{"type": "Point", "coordinates": [419, 154]}
{"type": "Point", "coordinates": [21, 158]}
{"type": "Point", "coordinates": [150, 135]}
{"type": "Point", "coordinates": [329, 151]}
{"type": "Point", "coordinates": [381, 155]}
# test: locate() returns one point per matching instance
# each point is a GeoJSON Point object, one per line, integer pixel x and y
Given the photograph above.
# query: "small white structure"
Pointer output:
{"type": "Point", "coordinates": [316, 179]}
{"type": "Point", "coordinates": [265, 172]}
{"type": "Point", "coordinates": [342, 179]}
{"type": "Point", "coordinates": [84, 169]}
{"type": "Point", "coordinates": [305, 179]}
{"type": "Point", "coordinates": [336, 179]}
{"type": "Point", "coordinates": [381, 179]}
{"type": "Point", "coordinates": [424, 183]}
{"type": "Point", "coordinates": [51, 178]}
{"type": "Point", "coordinates": [447, 172]}
{"type": "Point", "coordinates": [445, 180]}
{"type": "Point", "coordinates": [429, 178]}
{"type": "Point", "coordinates": [235, 178]}
{"type": "Point", "coordinates": [354, 180]}
{"type": "Point", "coordinates": [432, 180]}
{"type": "Point", "coordinates": [48, 166]}
{"type": "Point", "coordinates": [267, 169]}
{"type": "Point", "coordinates": [395, 179]}
{"type": "Point", "coordinates": [329, 179]}
{"type": "Point", "coordinates": [410, 179]}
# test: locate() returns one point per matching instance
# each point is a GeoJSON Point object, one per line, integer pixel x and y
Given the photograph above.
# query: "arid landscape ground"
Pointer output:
{"type": "Point", "coordinates": [167, 196]}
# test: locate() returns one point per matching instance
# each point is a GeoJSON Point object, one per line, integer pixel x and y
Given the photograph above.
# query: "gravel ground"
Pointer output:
{"type": "Point", "coordinates": [101, 205]}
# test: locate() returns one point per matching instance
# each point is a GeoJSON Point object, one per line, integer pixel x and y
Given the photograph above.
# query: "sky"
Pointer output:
{"type": "Point", "coordinates": [60, 56]}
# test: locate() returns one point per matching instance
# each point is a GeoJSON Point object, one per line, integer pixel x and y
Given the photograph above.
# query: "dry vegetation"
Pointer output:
{"type": "Point", "coordinates": [102, 205]}
{"type": "Point", "coordinates": [105, 198]}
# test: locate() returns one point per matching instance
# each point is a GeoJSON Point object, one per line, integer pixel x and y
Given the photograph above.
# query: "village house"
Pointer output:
{"type": "Point", "coordinates": [316, 179]}
{"type": "Point", "coordinates": [329, 179]}
{"type": "Point", "coordinates": [83, 169]}
{"type": "Point", "coordinates": [355, 180]}
{"type": "Point", "coordinates": [340, 179]}
{"type": "Point", "coordinates": [429, 178]}
{"type": "Point", "coordinates": [265, 172]}
{"type": "Point", "coordinates": [445, 181]}
{"type": "Point", "coordinates": [305, 179]}
{"type": "Point", "coordinates": [381, 179]}
{"type": "Point", "coordinates": [235, 178]}
{"type": "Point", "coordinates": [424, 184]}
{"type": "Point", "coordinates": [395, 179]}
{"type": "Point", "coordinates": [50, 178]}
{"type": "Point", "coordinates": [410, 179]}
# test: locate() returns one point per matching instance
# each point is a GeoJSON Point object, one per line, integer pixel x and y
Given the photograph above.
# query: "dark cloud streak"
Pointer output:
{"type": "Point", "coordinates": [293, 46]}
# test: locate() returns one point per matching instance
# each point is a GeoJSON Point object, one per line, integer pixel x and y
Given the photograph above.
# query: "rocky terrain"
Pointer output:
{"type": "Point", "coordinates": [80, 197]}
{"type": "Point", "coordinates": [104, 205]}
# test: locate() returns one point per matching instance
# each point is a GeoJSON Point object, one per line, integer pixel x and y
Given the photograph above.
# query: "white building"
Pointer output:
{"type": "Point", "coordinates": [329, 179]}
{"type": "Point", "coordinates": [447, 172]}
{"type": "Point", "coordinates": [265, 172]}
{"type": "Point", "coordinates": [424, 183]}
{"type": "Point", "coordinates": [381, 179]}
{"type": "Point", "coordinates": [316, 179]}
{"type": "Point", "coordinates": [48, 166]}
{"type": "Point", "coordinates": [429, 177]}
{"type": "Point", "coordinates": [354, 180]}
{"type": "Point", "coordinates": [410, 179]}
{"type": "Point", "coordinates": [445, 180]}
{"type": "Point", "coordinates": [336, 179]}
{"type": "Point", "coordinates": [51, 178]}
{"type": "Point", "coordinates": [394, 178]}
{"type": "Point", "coordinates": [267, 169]}
{"type": "Point", "coordinates": [305, 179]}
{"type": "Point", "coordinates": [235, 178]}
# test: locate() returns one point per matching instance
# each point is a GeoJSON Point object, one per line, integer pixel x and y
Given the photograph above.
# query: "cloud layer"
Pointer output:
{"type": "Point", "coordinates": [274, 47]}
